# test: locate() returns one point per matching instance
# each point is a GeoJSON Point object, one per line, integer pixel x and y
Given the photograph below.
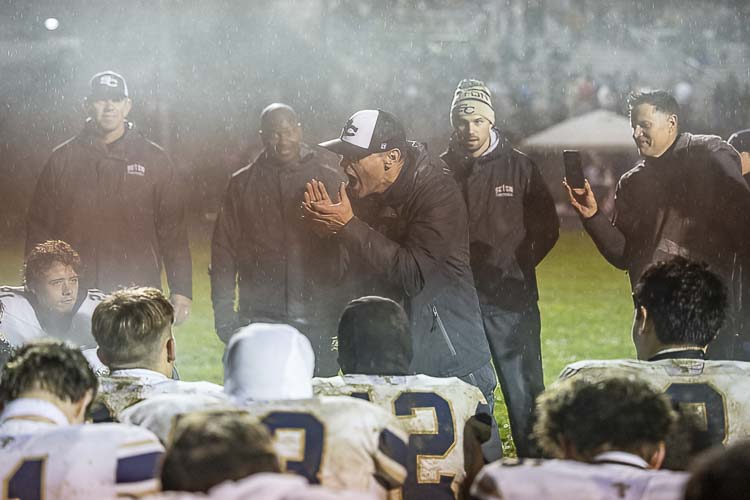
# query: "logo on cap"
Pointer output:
{"type": "Point", "coordinates": [109, 81]}
{"type": "Point", "coordinates": [350, 129]}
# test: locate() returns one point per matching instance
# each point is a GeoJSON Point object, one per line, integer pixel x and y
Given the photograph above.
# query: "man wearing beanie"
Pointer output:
{"type": "Point", "coordinates": [512, 227]}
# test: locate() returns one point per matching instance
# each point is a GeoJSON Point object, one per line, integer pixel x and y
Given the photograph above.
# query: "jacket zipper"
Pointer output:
{"type": "Point", "coordinates": [441, 326]}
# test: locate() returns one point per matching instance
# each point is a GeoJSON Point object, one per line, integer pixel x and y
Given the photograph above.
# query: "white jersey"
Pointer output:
{"type": "Point", "coordinates": [157, 413]}
{"type": "Point", "coordinates": [19, 323]}
{"type": "Point", "coordinates": [624, 478]}
{"type": "Point", "coordinates": [50, 459]}
{"type": "Point", "coordinates": [717, 389]}
{"type": "Point", "coordinates": [266, 486]}
{"type": "Point", "coordinates": [124, 388]}
{"type": "Point", "coordinates": [341, 443]}
{"type": "Point", "coordinates": [433, 411]}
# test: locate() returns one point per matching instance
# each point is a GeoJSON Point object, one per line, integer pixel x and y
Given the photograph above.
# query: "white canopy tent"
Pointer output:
{"type": "Point", "coordinates": [599, 130]}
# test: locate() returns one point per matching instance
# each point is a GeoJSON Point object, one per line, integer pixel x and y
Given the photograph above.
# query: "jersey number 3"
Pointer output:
{"type": "Point", "coordinates": [312, 448]}
{"type": "Point", "coordinates": [709, 403]}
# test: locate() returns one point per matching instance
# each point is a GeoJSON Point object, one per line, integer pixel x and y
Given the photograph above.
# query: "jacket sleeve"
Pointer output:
{"type": "Point", "coordinates": [608, 238]}
{"type": "Point", "coordinates": [40, 220]}
{"type": "Point", "coordinates": [541, 221]}
{"type": "Point", "coordinates": [436, 223]}
{"type": "Point", "coordinates": [224, 244]}
{"type": "Point", "coordinates": [171, 231]}
{"type": "Point", "coordinates": [735, 191]}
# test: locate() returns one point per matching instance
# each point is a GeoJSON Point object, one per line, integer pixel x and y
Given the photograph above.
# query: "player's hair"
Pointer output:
{"type": "Point", "coordinates": [374, 338]}
{"type": "Point", "coordinates": [685, 301]}
{"type": "Point", "coordinates": [615, 414]}
{"type": "Point", "coordinates": [44, 255]}
{"type": "Point", "coordinates": [129, 325]}
{"type": "Point", "coordinates": [721, 474]}
{"type": "Point", "coordinates": [208, 448]}
{"type": "Point", "coordinates": [48, 365]}
{"type": "Point", "coordinates": [661, 100]}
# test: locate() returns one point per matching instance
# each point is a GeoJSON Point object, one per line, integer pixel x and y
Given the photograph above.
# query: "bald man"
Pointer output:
{"type": "Point", "coordinates": [285, 272]}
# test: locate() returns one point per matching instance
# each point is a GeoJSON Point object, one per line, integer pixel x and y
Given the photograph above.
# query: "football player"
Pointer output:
{"type": "Point", "coordinates": [679, 308]}
{"type": "Point", "coordinates": [133, 328]}
{"type": "Point", "coordinates": [375, 352]}
{"type": "Point", "coordinates": [49, 303]}
{"type": "Point", "coordinates": [721, 474]}
{"type": "Point", "coordinates": [607, 438]}
{"type": "Point", "coordinates": [229, 455]}
{"type": "Point", "coordinates": [45, 449]}
{"type": "Point", "coordinates": [340, 443]}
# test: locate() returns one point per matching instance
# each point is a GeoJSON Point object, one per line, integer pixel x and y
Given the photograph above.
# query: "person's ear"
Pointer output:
{"type": "Point", "coordinates": [657, 459]}
{"type": "Point", "coordinates": [642, 317]}
{"type": "Point", "coordinates": [171, 350]}
{"type": "Point", "coordinates": [672, 120]}
{"type": "Point", "coordinates": [392, 157]}
{"type": "Point", "coordinates": [80, 406]}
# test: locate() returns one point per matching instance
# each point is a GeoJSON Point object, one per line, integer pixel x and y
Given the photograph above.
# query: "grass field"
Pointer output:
{"type": "Point", "coordinates": [585, 305]}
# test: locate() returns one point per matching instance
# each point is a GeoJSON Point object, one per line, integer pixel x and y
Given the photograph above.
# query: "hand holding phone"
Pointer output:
{"type": "Point", "coordinates": [573, 169]}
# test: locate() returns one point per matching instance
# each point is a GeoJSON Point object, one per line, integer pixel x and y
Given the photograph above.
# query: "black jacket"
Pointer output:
{"type": "Point", "coordinates": [285, 272]}
{"type": "Point", "coordinates": [416, 244]}
{"type": "Point", "coordinates": [512, 222]}
{"type": "Point", "coordinates": [121, 207]}
{"type": "Point", "coordinates": [691, 201]}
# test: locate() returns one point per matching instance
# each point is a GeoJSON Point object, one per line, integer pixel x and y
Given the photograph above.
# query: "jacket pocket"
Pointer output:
{"type": "Point", "coordinates": [441, 327]}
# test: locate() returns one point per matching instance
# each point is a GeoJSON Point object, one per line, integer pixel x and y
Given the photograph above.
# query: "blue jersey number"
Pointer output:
{"type": "Point", "coordinates": [712, 404]}
{"type": "Point", "coordinates": [25, 482]}
{"type": "Point", "coordinates": [313, 446]}
{"type": "Point", "coordinates": [434, 444]}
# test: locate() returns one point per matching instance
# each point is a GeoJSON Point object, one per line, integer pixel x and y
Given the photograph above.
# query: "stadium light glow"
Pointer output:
{"type": "Point", "coordinates": [51, 23]}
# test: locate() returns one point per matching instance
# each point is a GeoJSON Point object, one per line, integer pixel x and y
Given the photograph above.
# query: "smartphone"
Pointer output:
{"type": "Point", "coordinates": [573, 168]}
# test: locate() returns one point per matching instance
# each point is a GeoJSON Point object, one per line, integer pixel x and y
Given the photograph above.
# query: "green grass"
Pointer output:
{"type": "Point", "coordinates": [585, 305]}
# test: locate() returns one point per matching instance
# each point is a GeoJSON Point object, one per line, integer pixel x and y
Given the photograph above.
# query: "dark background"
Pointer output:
{"type": "Point", "coordinates": [199, 72]}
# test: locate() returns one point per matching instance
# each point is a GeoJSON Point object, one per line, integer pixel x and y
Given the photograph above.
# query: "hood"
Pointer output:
{"type": "Point", "coordinates": [267, 362]}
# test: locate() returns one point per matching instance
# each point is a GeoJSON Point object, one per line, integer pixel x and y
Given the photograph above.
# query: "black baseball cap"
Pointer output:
{"type": "Point", "coordinates": [107, 85]}
{"type": "Point", "coordinates": [367, 132]}
{"type": "Point", "coordinates": [740, 140]}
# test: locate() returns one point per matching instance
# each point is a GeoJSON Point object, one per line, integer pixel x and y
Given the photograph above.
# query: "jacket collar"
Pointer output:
{"type": "Point", "coordinates": [680, 143]}
{"type": "Point", "coordinates": [90, 139]}
{"type": "Point", "coordinates": [416, 160]}
{"type": "Point", "coordinates": [306, 153]}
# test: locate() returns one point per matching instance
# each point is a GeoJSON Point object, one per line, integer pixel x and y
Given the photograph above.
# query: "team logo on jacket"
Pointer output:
{"type": "Point", "coordinates": [503, 190]}
{"type": "Point", "coordinates": [136, 169]}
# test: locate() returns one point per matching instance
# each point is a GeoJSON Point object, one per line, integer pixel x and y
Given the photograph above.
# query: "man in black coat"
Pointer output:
{"type": "Point", "coordinates": [285, 272]}
{"type": "Point", "coordinates": [512, 226]}
{"type": "Point", "coordinates": [118, 199]}
{"type": "Point", "coordinates": [412, 239]}
{"type": "Point", "coordinates": [685, 197]}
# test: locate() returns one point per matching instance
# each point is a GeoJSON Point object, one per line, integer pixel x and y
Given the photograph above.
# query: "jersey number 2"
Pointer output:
{"type": "Point", "coordinates": [427, 445]}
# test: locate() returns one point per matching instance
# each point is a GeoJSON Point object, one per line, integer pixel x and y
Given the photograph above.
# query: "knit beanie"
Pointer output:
{"type": "Point", "coordinates": [472, 97]}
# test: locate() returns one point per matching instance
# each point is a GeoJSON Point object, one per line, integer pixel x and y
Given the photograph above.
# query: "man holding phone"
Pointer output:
{"type": "Point", "coordinates": [512, 226]}
{"type": "Point", "coordinates": [686, 198]}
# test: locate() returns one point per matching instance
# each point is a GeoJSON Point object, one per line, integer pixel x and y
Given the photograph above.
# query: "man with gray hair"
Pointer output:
{"type": "Point", "coordinates": [285, 272]}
